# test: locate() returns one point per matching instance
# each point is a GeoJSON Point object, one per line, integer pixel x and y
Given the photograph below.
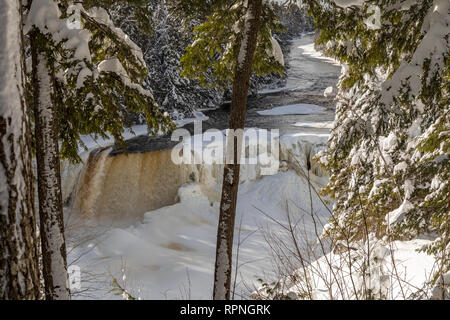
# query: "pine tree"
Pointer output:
{"type": "Point", "coordinates": [48, 171]}
{"type": "Point", "coordinates": [233, 41]}
{"type": "Point", "coordinates": [163, 47]}
{"type": "Point", "coordinates": [211, 58]}
{"type": "Point", "coordinates": [85, 73]}
{"type": "Point", "coordinates": [389, 148]}
{"type": "Point", "coordinates": [19, 272]}
{"type": "Point", "coordinates": [241, 83]}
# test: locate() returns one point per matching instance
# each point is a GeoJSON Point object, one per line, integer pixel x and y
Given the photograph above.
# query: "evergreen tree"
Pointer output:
{"type": "Point", "coordinates": [389, 149]}
{"type": "Point", "coordinates": [85, 73]}
{"type": "Point", "coordinates": [241, 83]}
{"type": "Point", "coordinates": [172, 31]}
{"type": "Point", "coordinates": [49, 178]}
{"type": "Point", "coordinates": [233, 41]}
{"type": "Point", "coordinates": [212, 57]}
{"type": "Point", "coordinates": [163, 47]}
{"type": "Point", "coordinates": [295, 22]}
{"type": "Point", "coordinates": [19, 271]}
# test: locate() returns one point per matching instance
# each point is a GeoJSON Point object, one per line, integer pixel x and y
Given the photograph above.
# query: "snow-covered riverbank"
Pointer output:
{"type": "Point", "coordinates": [152, 225]}
{"type": "Point", "coordinates": [170, 253]}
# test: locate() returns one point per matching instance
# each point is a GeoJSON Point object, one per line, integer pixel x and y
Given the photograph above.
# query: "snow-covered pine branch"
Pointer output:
{"type": "Point", "coordinates": [390, 144]}
{"type": "Point", "coordinates": [219, 44]}
{"type": "Point", "coordinates": [93, 99]}
{"type": "Point", "coordinates": [163, 48]}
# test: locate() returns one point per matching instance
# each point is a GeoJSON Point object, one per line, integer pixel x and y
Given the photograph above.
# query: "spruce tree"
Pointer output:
{"type": "Point", "coordinates": [19, 271]}
{"type": "Point", "coordinates": [233, 41]}
{"type": "Point", "coordinates": [389, 149]}
{"type": "Point", "coordinates": [230, 184]}
{"type": "Point", "coordinates": [163, 47]}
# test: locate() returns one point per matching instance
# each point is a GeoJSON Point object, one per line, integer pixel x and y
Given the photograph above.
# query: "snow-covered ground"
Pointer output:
{"type": "Point", "coordinates": [170, 253]}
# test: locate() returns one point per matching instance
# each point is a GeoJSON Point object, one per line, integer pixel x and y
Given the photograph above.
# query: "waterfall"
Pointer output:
{"type": "Point", "coordinates": [91, 181]}
{"type": "Point", "coordinates": [125, 186]}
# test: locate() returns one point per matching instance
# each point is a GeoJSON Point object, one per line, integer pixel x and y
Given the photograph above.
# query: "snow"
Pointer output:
{"type": "Point", "coordinates": [223, 266]}
{"type": "Point", "coordinates": [329, 92]}
{"type": "Point", "coordinates": [92, 142]}
{"type": "Point", "coordinates": [320, 125]}
{"type": "Point", "coordinates": [198, 116]}
{"type": "Point", "coordinates": [397, 271]}
{"type": "Point", "coordinates": [84, 73]}
{"type": "Point", "coordinates": [115, 66]}
{"type": "Point", "coordinates": [319, 139]}
{"type": "Point", "coordinates": [176, 242]}
{"type": "Point", "coordinates": [180, 238]}
{"type": "Point", "coordinates": [301, 108]}
{"type": "Point", "coordinates": [169, 254]}
{"type": "Point", "coordinates": [433, 46]}
{"type": "Point", "coordinates": [389, 143]}
{"type": "Point", "coordinates": [209, 149]}
{"type": "Point", "coordinates": [277, 53]}
{"type": "Point", "coordinates": [10, 98]}
{"type": "Point", "coordinates": [309, 50]}
{"type": "Point", "coordinates": [51, 227]}
{"type": "Point", "coordinates": [308, 70]}
{"type": "Point", "coordinates": [172, 248]}
{"type": "Point", "coordinates": [45, 15]}
{"type": "Point", "coordinates": [349, 3]}
{"type": "Point", "coordinates": [244, 42]}
{"type": "Point", "coordinates": [14, 160]}
{"type": "Point", "coordinates": [399, 213]}
{"type": "Point", "coordinates": [402, 166]}
{"type": "Point", "coordinates": [102, 16]}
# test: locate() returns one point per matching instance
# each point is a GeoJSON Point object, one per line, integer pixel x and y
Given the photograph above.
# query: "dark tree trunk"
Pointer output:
{"type": "Point", "coordinates": [49, 177]}
{"type": "Point", "coordinates": [19, 271]}
{"type": "Point", "coordinates": [225, 231]}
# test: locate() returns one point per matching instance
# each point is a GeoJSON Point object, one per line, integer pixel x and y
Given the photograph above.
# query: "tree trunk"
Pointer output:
{"type": "Point", "coordinates": [19, 271]}
{"type": "Point", "coordinates": [225, 231]}
{"type": "Point", "coordinates": [49, 178]}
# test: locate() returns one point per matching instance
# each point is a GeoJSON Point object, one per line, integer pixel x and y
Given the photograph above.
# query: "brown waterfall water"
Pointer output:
{"type": "Point", "coordinates": [128, 185]}
{"type": "Point", "coordinates": [125, 186]}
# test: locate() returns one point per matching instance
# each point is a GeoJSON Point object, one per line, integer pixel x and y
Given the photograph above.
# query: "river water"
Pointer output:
{"type": "Point", "coordinates": [310, 71]}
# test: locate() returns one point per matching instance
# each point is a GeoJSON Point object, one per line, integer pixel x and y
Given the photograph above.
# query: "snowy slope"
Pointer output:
{"type": "Point", "coordinates": [173, 248]}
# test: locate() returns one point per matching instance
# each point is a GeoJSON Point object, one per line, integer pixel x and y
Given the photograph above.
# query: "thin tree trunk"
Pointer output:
{"type": "Point", "coordinates": [19, 271]}
{"type": "Point", "coordinates": [49, 178]}
{"type": "Point", "coordinates": [225, 231]}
